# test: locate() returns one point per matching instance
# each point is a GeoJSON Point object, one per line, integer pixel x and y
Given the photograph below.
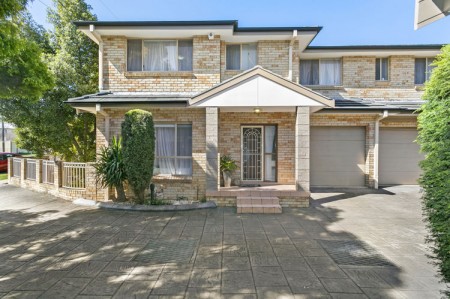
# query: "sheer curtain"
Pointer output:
{"type": "Point", "coordinates": [134, 55]}
{"type": "Point", "coordinates": [184, 150]}
{"type": "Point", "coordinates": [165, 148]}
{"type": "Point", "coordinates": [309, 72]}
{"type": "Point", "coordinates": [185, 55]}
{"type": "Point", "coordinates": [419, 70]}
{"type": "Point", "coordinates": [330, 72]}
{"type": "Point", "coordinates": [269, 156]}
{"type": "Point", "coordinates": [249, 56]}
{"type": "Point", "coordinates": [160, 56]}
{"type": "Point", "coordinates": [233, 57]}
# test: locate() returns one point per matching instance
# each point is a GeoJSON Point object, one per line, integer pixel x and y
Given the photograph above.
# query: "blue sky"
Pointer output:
{"type": "Point", "coordinates": [345, 22]}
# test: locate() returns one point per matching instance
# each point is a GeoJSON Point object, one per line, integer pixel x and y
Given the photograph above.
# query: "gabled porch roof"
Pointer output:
{"type": "Point", "coordinates": [259, 87]}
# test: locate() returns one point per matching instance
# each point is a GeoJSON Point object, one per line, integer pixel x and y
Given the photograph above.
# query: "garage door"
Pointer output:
{"type": "Point", "coordinates": [399, 156]}
{"type": "Point", "coordinates": [337, 156]}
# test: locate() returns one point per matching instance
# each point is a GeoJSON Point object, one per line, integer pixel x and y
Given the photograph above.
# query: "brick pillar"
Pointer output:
{"type": "Point", "coordinates": [212, 142]}
{"type": "Point", "coordinates": [10, 169]}
{"type": "Point", "coordinates": [302, 149]}
{"type": "Point", "coordinates": [23, 172]}
{"type": "Point", "coordinates": [38, 172]}
{"type": "Point", "coordinates": [370, 159]}
{"type": "Point", "coordinates": [58, 175]}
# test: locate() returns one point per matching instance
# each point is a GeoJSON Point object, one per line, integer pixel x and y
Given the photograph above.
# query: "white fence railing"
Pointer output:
{"type": "Point", "coordinates": [74, 175]}
{"type": "Point", "coordinates": [48, 172]}
{"type": "Point", "coordinates": [16, 167]}
{"type": "Point", "coordinates": [31, 169]}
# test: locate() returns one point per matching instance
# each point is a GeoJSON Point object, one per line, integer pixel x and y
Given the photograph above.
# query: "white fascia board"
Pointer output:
{"type": "Point", "coordinates": [258, 92]}
{"type": "Point", "coordinates": [426, 12]}
{"type": "Point", "coordinates": [315, 54]}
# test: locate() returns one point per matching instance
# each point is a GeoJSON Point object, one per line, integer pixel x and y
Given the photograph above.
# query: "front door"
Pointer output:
{"type": "Point", "coordinates": [259, 153]}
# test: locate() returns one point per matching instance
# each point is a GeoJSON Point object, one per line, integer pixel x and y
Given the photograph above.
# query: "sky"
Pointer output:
{"type": "Point", "coordinates": [344, 22]}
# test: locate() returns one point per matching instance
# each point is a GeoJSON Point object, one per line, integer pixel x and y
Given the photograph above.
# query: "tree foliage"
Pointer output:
{"type": "Point", "coordinates": [23, 73]}
{"type": "Point", "coordinates": [138, 135]}
{"type": "Point", "coordinates": [48, 125]}
{"type": "Point", "coordinates": [110, 168]}
{"type": "Point", "coordinates": [434, 138]}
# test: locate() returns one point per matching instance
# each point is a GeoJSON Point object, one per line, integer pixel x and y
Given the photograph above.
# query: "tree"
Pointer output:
{"type": "Point", "coordinates": [138, 135]}
{"type": "Point", "coordinates": [434, 138]}
{"type": "Point", "coordinates": [23, 72]}
{"type": "Point", "coordinates": [48, 125]}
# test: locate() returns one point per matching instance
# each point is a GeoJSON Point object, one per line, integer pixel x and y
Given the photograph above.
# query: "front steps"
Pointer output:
{"type": "Point", "coordinates": [258, 205]}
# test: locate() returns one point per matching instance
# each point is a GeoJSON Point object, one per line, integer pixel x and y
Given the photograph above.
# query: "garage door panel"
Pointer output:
{"type": "Point", "coordinates": [337, 156]}
{"type": "Point", "coordinates": [399, 156]}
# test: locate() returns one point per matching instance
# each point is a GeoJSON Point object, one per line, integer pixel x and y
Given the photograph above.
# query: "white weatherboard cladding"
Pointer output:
{"type": "Point", "coordinates": [258, 91]}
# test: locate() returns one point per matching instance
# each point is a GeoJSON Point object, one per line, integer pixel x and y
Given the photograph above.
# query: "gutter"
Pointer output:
{"type": "Point", "coordinates": [376, 148]}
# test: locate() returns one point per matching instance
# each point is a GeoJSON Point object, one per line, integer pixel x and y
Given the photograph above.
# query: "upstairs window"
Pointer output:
{"type": "Point", "coordinates": [241, 56]}
{"type": "Point", "coordinates": [382, 69]}
{"type": "Point", "coordinates": [159, 55]}
{"type": "Point", "coordinates": [422, 70]}
{"type": "Point", "coordinates": [173, 155]}
{"type": "Point", "coordinates": [321, 72]}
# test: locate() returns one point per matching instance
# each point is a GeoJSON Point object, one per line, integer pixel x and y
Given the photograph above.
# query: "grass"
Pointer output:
{"type": "Point", "coordinates": [3, 176]}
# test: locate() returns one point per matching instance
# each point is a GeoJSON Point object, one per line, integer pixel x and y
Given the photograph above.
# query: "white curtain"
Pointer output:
{"type": "Point", "coordinates": [134, 55]}
{"type": "Point", "coordinates": [185, 55]}
{"type": "Point", "coordinates": [160, 56]}
{"type": "Point", "coordinates": [249, 56]}
{"type": "Point", "coordinates": [309, 72]}
{"type": "Point", "coordinates": [165, 148]}
{"type": "Point", "coordinates": [184, 149]}
{"type": "Point", "coordinates": [233, 57]}
{"type": "Point", "coordinates": [330, 72]}
{"type": "Point", "coordinates": [419, 70]}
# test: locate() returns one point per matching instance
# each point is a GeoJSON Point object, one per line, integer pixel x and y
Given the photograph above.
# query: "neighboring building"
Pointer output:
{"type": "Point", "coordinates": [289, 113]}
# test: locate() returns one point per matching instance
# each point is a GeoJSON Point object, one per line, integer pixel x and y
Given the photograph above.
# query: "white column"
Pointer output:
{"type": "Point", "coordinates": [302, 131]}
{"type": "Point", "coordinates": [212, 149]}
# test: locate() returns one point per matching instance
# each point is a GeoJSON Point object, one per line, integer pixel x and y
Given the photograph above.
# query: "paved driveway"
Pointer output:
{"type": "Point", "coordinates": [346, 246]}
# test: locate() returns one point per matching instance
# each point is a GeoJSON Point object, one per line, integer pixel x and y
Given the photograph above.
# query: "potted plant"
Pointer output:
{"type": "Point", "coordinates": [227, 167]}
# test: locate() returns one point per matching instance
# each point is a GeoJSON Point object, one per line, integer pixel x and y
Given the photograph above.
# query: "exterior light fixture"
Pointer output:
{"type": "Point", "coordinates": [257, 110]}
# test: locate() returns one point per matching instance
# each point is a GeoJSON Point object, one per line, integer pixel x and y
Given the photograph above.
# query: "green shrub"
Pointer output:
{"type": "Point", "coordinates": [434, 138]}
{"type": "Point", "coordinates": [110, 170]}
{"type": "Point", "coordinates": [227, 164]}
{"type": "Point", "coordinates": [138, 135]}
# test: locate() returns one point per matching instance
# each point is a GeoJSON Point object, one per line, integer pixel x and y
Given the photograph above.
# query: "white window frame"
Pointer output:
{"type": "Point", "coordinates": [240, 55]}
{"type": "Point", "coordinates": [381, 70]}
{"type": "Point", "coordinates": [176, 158]}
{"type": "Point", "coordinates": [320, 59]}
{"type": "Point", "coordinates": [157, 40]}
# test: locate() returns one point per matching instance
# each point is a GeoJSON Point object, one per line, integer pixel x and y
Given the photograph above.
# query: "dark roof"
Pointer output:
{"type": "Point", "coordinates": [109, 97]}
{"type": "Point", "coordinates": [233, 23]}
{"type": "Point", "coordinates": [378, 47]}
{"type": "Point", "coordinates": [377, 104]}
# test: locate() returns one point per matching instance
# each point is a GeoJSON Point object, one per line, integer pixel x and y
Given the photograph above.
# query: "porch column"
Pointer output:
{"type": "Point", "coordinates": [302, 131]}
{"type": "Point", "coordinates": [212, 149]}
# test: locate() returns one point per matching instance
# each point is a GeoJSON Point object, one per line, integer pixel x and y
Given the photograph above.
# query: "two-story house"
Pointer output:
{"type": "Point", "coordinates": [292, 115]}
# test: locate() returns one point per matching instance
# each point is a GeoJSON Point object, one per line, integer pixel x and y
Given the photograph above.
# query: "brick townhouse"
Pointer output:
{"type": "Point", "coordinates": [293, 116]}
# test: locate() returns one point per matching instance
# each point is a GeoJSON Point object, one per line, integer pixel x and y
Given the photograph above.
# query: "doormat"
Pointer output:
{"type": "Point", "coordinates": [250, 185]}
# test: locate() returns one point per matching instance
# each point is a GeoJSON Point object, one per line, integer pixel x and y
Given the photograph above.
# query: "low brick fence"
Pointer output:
{"type": "Point", "coordinates": [68, 180]}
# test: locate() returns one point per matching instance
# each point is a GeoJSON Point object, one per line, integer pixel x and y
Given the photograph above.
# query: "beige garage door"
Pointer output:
{"type": "Point", "coordinates": [337, 156]}
{"type": "Point", "coordinates": [399, 156]}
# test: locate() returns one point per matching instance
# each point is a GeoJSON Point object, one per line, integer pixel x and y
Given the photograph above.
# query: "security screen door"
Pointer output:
{"type": "Point", "coordinates": [259, 153]}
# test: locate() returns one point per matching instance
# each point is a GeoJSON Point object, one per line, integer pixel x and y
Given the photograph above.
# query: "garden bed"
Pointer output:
{"type": "Point", "coordinates": [173, 206]}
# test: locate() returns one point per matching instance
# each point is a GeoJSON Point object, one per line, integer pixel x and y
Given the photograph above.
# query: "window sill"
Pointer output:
{"type": "Point", "coordinates": [187, 74]}
{"type": "Point", "coordinates": [172, 178]}
{"type": "Point", "coordinates": [382, 83]}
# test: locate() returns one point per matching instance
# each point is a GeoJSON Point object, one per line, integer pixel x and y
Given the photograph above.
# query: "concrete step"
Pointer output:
{"type": "Point", "coordinates": [263, 205]}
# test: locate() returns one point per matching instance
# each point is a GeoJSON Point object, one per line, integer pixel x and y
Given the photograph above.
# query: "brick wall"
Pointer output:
{"type": "Point", "coordinates": [230, 139]}
{"type": "Point", "coordinates": [205, 74]}
{"type": "Point", "coordinates": [172, 187]}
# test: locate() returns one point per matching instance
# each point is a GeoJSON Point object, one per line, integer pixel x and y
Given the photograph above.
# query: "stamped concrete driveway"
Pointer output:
{"type": "Point", "coordinates": [347, 245]}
